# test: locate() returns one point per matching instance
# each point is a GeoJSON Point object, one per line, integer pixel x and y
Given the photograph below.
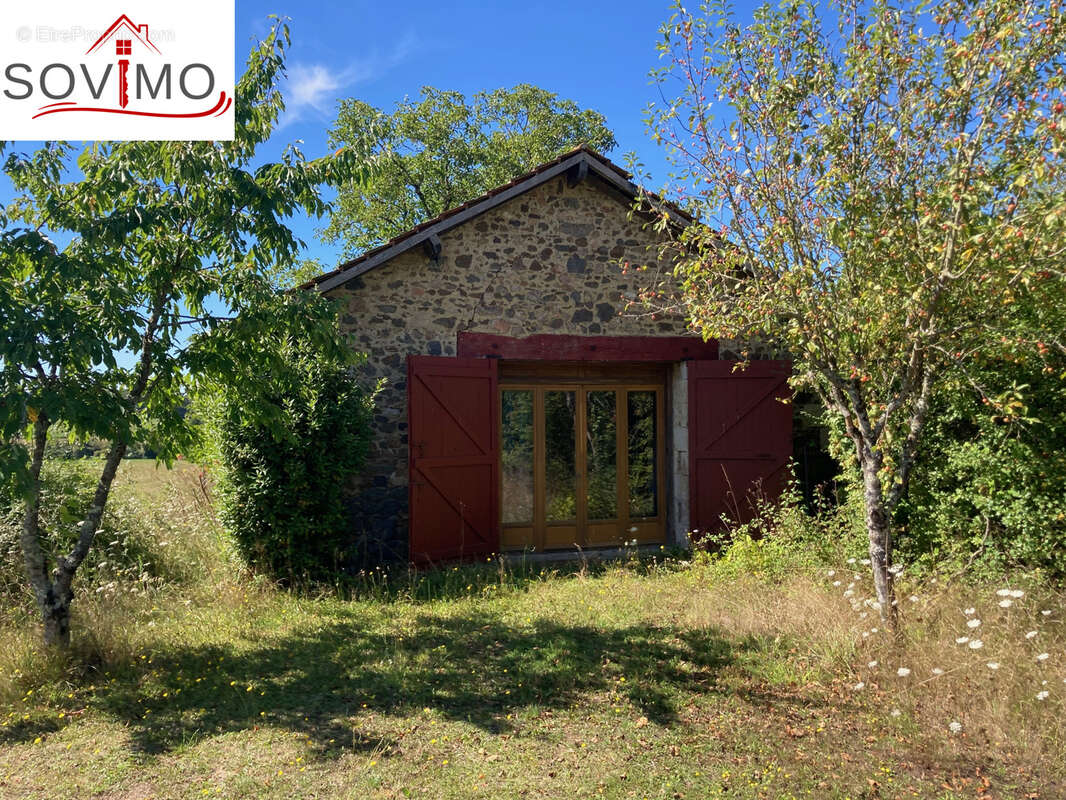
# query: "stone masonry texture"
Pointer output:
{"type": "Point", "coordinates": [546, 262]}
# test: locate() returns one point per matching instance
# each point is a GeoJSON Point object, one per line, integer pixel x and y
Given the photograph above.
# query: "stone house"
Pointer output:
{"type": "Point", "coordinates": [524, 407]}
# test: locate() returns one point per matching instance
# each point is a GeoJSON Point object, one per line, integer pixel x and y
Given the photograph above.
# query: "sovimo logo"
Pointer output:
{"type": "Point", "coordinates": [165, 72]}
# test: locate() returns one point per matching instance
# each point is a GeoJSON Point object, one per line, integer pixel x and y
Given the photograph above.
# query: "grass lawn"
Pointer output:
{"type": "Point", "coordinates": [662, 680]}
{"type": "Point", "coordinates": [609, 685]}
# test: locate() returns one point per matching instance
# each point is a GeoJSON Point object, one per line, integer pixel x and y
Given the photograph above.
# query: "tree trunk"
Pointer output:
{"type": "Point", "coordinates": [56, 618]}
{"type": "Point", "coordinates": [54, 592]}
{"type": "Point", "coordinates": [879, 531]}
{"type": "Point", "coordinates": [53, 606]}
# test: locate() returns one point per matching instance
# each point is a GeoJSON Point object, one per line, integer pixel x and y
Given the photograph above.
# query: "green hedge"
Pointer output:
{"type": "Point", "coordinates": [283, 476]}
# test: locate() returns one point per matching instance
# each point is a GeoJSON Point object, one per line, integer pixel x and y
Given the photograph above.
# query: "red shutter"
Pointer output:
{"type": "Point", "coordinates": [740, 438]}
{"type": "Point", "coordinates": [454, 458]}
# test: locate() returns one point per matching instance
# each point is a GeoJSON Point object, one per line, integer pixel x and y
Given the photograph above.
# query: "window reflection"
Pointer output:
{"type": "Point", "coordinates": [516, 457]}
{"type": "Point", "coordinates": [560, 417]}
{"type": "Point", "coordinates": [642, 446]}
{"type": "Point", "coordinates": [601, 444]}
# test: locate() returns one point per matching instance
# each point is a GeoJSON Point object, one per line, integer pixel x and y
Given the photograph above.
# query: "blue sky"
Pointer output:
{"type": "Point", "coordinates": [596, 53]}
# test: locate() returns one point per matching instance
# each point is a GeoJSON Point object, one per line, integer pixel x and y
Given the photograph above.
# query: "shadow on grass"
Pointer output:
{"type": "Point", "coordinates": [474, 668]}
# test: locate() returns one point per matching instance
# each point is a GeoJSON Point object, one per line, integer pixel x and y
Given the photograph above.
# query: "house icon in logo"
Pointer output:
{"type": "Point", "coordinates": [129, 32]}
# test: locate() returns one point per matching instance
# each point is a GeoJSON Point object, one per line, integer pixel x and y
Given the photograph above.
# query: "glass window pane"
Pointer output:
{"type": "Point", "coordinates": [601, 443]}
{"type": "Point", "coordinates": [643, 477]}
{"type": "Point", "coordinates": [560, 415]}
{"type": "Point", "coordinates": [516, 455]}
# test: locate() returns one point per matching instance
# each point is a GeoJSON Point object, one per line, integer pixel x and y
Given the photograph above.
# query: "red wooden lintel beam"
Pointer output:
{"type": "Point", "coordinates": [559, 347]}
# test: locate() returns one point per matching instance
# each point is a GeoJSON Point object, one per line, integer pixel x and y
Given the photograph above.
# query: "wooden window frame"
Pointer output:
{"type": "Point", "coordinates": [541, 535]}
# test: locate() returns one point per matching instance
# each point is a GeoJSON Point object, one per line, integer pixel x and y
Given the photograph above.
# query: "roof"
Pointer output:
{"type": "Point", "coordinates": [579, 158]}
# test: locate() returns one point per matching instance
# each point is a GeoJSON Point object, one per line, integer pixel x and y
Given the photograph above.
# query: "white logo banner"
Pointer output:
{"type": "Point", "coordinates": [92, 69]}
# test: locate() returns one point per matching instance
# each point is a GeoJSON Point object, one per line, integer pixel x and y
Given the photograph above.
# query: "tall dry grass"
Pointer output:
{"type": "Point", "coordinates": [159, 552]}
{"type": "Point", "coordinates": [973, 661]}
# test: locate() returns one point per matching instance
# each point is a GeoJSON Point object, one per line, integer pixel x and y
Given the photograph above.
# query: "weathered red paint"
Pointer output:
{"type": "Point", "coordinates": [740, 438]}
{"type": "Point", "coordinates": [556, 347]}
{"type": "Point", "coordinates": [453, 457]}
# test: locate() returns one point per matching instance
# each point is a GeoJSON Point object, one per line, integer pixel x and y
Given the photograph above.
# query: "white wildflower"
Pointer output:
{"type": "Point", "coordinates": [872, 665]}
{"type": "Point", "coordinates": [914, 598]}
{"type": "Point", "coordinates": [1003, 592]}
{"type": "Point", "coordinates": [1042, 695]}
{"type": "Point", "coordinates": [1017, 593]}
{"type": "Point", "coordinates": [938, 671]}
{"type": "Point", "coordinates": [992, 665]}
{"type": "Point", "coordinates": [903, 672]}
{"type": "Point", "coordinates": [1043, 657]}
{"type": "Point", "coordinates": [851, 560]}
{"type": "Point", "coordinates": [976, 644]}
{"type": "Point", "coordinates": [962, 640]}
{"type": "Point", "coordinates": [831, 573]}
{"type": "Point", "coordinates": [1031, 635]}
{"type": "Point", "coordinates": [954, 727]}
{"type": "Point", "coordinates": [836, 583]}
{"type": "Point", "coordinates": [858, 687]}
{"type": "Point", "coordinates": [1046, 612]}
{"type": "Point", "coordinates": [969, 611]}
{"type": "Point", "coordinates": [848, 593]}
{"type": "Point", "coordinates": [972, 623]}
{"type": "Point", "coordinates": [895, 712]}
{"type": "Point", "coordinates": [1006, 603]}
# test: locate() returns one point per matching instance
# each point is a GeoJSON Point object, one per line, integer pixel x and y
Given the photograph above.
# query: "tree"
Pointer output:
{"type": "Point", "coordinates": [879, 200]}
{"type": "Point", "coordinates": [165, 285]}
{"type": "Point", "coordinates": [441, 151]}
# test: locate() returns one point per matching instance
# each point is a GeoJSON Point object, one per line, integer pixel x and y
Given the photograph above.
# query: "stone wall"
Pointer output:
{"type": "Point", "coordinates": [544, 262]}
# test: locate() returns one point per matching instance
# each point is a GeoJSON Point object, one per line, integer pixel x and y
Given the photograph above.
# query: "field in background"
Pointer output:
{"type": "Point", "coordinates": [154, 481]}
{"type": "Point", "coordinates": [739, 678]}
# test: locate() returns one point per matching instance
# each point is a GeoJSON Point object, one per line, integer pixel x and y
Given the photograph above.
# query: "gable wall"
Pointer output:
{"type": "Point", "coordinates": [544, 262]}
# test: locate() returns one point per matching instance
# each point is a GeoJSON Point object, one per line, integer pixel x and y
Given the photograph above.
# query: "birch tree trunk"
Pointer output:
{"type": "Point", "coordinates": [879, 532]}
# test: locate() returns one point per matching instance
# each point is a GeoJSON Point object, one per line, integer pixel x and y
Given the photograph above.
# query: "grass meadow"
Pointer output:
{"type": "Point", "coordinates": [657, 677]}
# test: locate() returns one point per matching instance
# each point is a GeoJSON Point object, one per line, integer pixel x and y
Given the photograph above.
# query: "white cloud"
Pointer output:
{"type": "Point", "coordinates": [316, 87]}
{"type": "Point", "coordinates": [313, 85]}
